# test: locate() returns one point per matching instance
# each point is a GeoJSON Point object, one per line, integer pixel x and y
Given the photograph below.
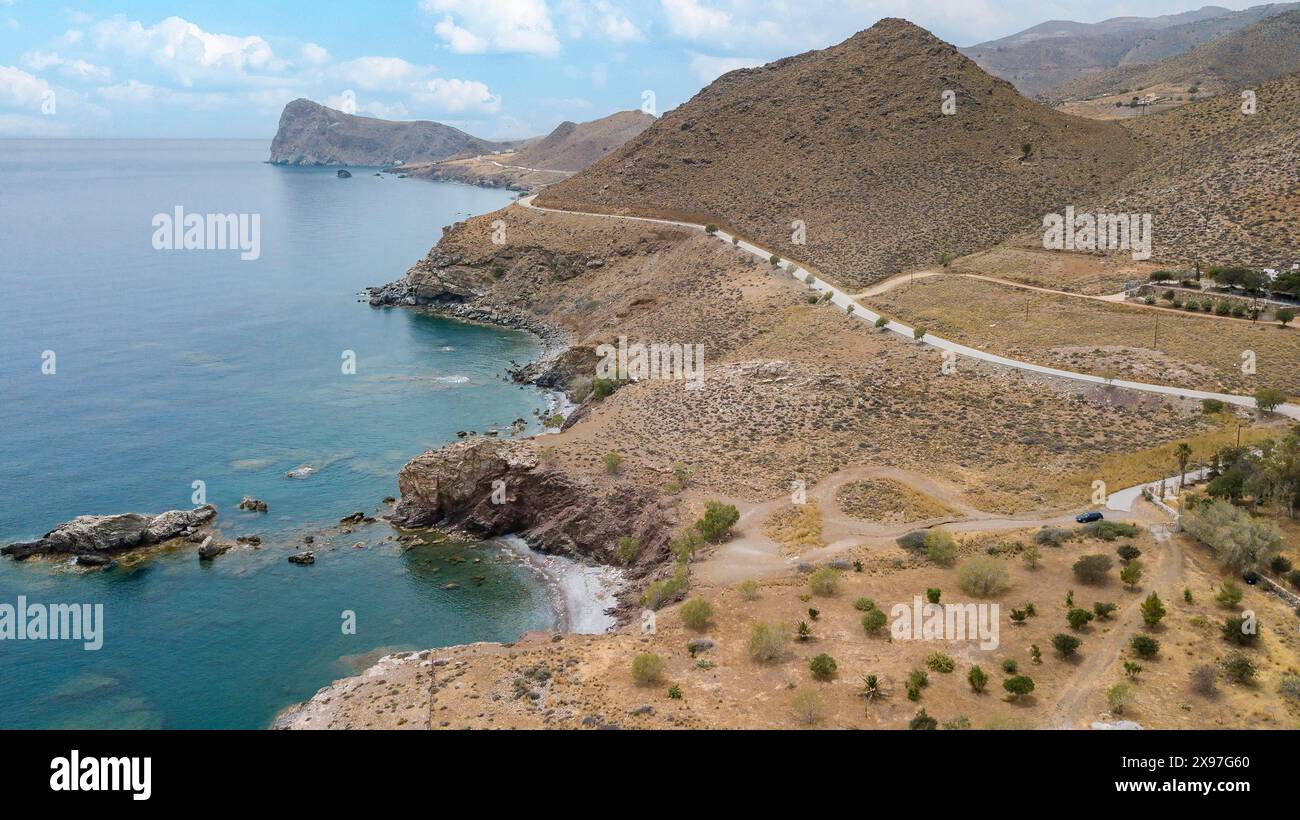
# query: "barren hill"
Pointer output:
{"type": "Point", "coordinates": [311, 134]}
{"type": "Point", "coordinates": [1224, 187]}
{"type": "Point", "coordinates": [1264, 51]}
{"type": "Point", "coordinates": [574, 146]}
{"type": "Point", "coordinates": [852, 142]}
{"type": "Point", "coordinates": [1049, 54]}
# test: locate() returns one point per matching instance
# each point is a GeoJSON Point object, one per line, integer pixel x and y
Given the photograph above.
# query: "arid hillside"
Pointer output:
{"type": "Point", "coordinates": [853, 143]}
{"type": "Point", "coordinates": [1049, 54]}
{"type": "Point", "coordinates": [1243, 59]}
{"type": "Point", "coordinates": [574, 146]}
{"type": "Point", "coordinates": [1224, 187]}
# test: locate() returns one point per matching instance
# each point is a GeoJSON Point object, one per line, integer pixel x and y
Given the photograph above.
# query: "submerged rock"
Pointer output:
{"type": "Point", "coordinates": [252, 504]}
{"type": "Point", "coordinates": [100, 535]}
{"type": "Point", "coordinates": [210, 549]}
{"type": "Point", "coordinates": [303, 558]}
{"type": "Point", "coordinates": [344, 174]}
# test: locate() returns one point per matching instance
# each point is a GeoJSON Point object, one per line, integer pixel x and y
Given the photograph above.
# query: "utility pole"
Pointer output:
{"type": "Point", "coordinates": [1157, 344]}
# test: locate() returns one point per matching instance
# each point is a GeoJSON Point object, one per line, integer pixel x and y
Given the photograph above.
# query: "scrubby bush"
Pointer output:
{"type": "Point", "coordinates": [1010, 666]}
{"type": "Point", "coordinates": [864, 605]}
{"type": "Point", "coordinates": [933, 595]}
{"type": "Point", "coordinates": [1290, 686]}
{"type": "Point", "coordinates": [825, 581]}
{"type": "Point", "coordinates": [749, 590]}
{"type": "Point", "coordinates": [939, 662]}
{"type": "Point", "coordinates": [1280, 564]}
{"type": "Point", "coordinates": [1031, 555]}
{"type": "Point", "coordinates": [1104, 610]}
{"type": "Point", "coordinates": [627, 549]}
{"type": "Point", "coordinates": [977, 678]}
{"type": "Point", "coordinates": [983, 576]}
{"type": "Point", "coordinates": [873, 621]}
{"type": "Point", "coordinates": [1211, 406]}
{"type": "Point", "coordinates": [1107, 530]}
{"type": "Point", "coordinates": [767, 641]}
{"type": "Point", "coordinates": [1294, 578]}
{"type": "Point", "coordinates": [1120, 696]}
{"type": "Point", "coordinates": [913, 541]}
{"type": "Point", "coordinates": [806, 703]}
{"type": "Point", "coordinates": [1239, 668]}
{"type": "Point", "coordinates": [1229, 595]}
{"type": "Point", "coordinates": [1018, 686]}
{"type": "Point", "coordinates": [923, 722]}
{"type": "Point", "coordinates": [1065, 645]}
{"type": "Point", "coordinates": [696, 613]}
{"type": "Point", "coordinates": [1078, 618]}
{"type": "Point", "coordinates": [1153, 609]}
{"type": "Point", "coordinates": [717, 522]}
{"type": "Point", "coordinates": [1241, 631]}
{"type": "Point", "coordinates": [1205, 680]}
{"type": "Point", "coordinates": [1092, 569]}
{"type": "Point", "coordinates": [941, 547]}
{"type": "Point", "coordinates": [1240, 541]}
{"type": "Point", "coordinates": [1145, 646]}
{"type": "Point", "coordinates": [1131, 574]}
{"type": "Point", "coordinates": [1051, 536]}
{"type": "Point", "coordinates": [1128, 552]}
{"type": "Point", "coordinates": [613, 463]}
{"type": "Point", "coordinates": [647, 668]}
{"type": "Point", "coordinates": [823, 667]}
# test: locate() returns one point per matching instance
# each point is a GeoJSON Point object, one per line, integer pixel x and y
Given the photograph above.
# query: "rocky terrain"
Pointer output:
{"type": "Point", "coordinates": [568, 149]}
{"type": "Point", "coordinates": [1223, 187]}
{"type": "Point", "coordinates": [311, 134]}
{"type": "Point", "coordinates": [97, 538]}
{"type": "Point", "coordinates": [1246, 58]}
{"type": "Point", "coordinates": [1044, 56]}
{"type": "Point", "coordinates": [852, 143]}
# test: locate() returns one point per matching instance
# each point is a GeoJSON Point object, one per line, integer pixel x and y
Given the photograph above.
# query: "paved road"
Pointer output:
{"type": "Point", "coordinates": [844, 300]}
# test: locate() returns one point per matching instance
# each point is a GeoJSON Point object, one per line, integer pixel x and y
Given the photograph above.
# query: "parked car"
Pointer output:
{"type": "Point", "coordinates": [1089, 517]}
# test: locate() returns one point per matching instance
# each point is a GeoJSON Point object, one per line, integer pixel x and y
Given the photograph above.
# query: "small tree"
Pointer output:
{"type": "Point", "coordinates": [923, 722]}
{"type": "Point", "coordinates": [1285, 316]}
{"type": "Point", "coordinates": [873, 621]}
{"type": "Point", "coordinates": [1153, 609]}
{"type": "Point", "coordinates": [1145, 646]}
{"type": "Point", "coordinates": [767, 641]}
{"type": "Point", "coordinates": [627, 549]}
{"type": "Point", "coordinates": [978, 679]}
{"type": "Point", "coordinates": [1132, 670]}
{"type": "Point", "coordinates": [982, 576]}
{"type": "Point", "coordinates": [1031, 555]}
{"type": "Point", "coordinates": [941, 547]}
{"type": "Point", "coordinates": [717, 522]}
{"type": "Point", "coordinates": [1239, 668]}
{"type": "Point", "coordinates": [1131, 574]}
{"type": "Point", "coordinates": [825, 581]}
{"type": "Point", "coordinates": [1018, 686]}
{"type": "Point", "coordinates": [807, 706]}
{"type": "Point", "coordinates": [1128, 552]}
{"type": "Point", "coordinates": [1078, 618]}
{"type": "Point", "coordinates": [1269, 399]}
{"type": "Point", "coordinates": [1120, 696]}
{"type": "Point", "coordinates": [1104, 610]}
{"type": "Point", "coordinates": [1092, 569]}
{"type": "Point", "coordinates": [919, 333]}
{"type": "Point", "coordinates": [1229, 595]}
{"type": "Point", "coordinates": [1065, 645]}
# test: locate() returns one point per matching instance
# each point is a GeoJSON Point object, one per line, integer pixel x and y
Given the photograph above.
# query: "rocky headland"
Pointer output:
{"type": "Point", "coordinates": [95, 539]}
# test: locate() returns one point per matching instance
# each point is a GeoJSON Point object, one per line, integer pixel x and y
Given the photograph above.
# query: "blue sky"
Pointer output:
{"type": "Point", "coordinates": [496, 68]}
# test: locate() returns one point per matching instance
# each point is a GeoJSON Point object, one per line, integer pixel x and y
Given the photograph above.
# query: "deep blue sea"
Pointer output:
{"type": "Point", "coordinates": [173, 367]}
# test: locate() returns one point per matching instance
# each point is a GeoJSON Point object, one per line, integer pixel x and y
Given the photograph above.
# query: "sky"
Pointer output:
{"type": "Point", "coordinates": [495, 68]}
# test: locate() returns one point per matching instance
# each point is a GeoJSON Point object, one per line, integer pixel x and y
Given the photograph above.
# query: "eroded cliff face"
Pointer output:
{"type": "Point", "coordinates": [489, 487]}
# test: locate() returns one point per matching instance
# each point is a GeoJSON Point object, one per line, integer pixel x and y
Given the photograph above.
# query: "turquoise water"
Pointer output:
{"type": "Point", "coordinates": [181, 366]}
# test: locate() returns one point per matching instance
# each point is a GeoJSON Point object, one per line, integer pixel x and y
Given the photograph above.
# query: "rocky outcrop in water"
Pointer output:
{"type": "Point", "coordinates": [490, 487]}
{"type": "Point", "coordinates": [103, 535]}
{"type": "Point", "coordinates": [311, 134]}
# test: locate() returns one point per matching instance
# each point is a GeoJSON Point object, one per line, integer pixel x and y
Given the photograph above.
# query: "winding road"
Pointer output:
{"type": "Point", "coordinates": [844, 300]}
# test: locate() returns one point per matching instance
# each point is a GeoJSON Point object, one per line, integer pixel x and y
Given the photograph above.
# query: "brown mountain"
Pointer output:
{"type": "Point", "coordinates": [852, 142]}
{"type": "Point", "coordinates": [1049, 54]}
{"type": "Point", "coordinates": [1223, 187]}
{"type": "Point", "coordinates": [572, 146]}
{"type": "Point", "coordinates": [311, 134]}
{"type": "Point", "coordinates": [1264, 51]}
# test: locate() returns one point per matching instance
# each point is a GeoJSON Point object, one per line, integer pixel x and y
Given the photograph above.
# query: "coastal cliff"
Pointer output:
{"type": "Point", "coordinates": [311, 134]}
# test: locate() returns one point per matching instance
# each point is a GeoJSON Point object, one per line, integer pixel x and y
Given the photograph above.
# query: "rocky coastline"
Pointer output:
{"type": "Point", "coordinates": [94, 540]}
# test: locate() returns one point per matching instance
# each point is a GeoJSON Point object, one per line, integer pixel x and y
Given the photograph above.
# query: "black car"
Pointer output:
{"type": "Point", "coordinates": [1089, 517]}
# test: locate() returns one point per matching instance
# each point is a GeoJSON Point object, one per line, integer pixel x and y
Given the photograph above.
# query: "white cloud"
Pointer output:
{"type": "Point", "coordinates": [480, 26]}
{"type": "Point", "coordinates": [313, 54]}
{"type": "Point", "coordinates": [19, 89]}
{"type": "Point", "coordinates": [457, 97]}
{"type": "Point", "coordinates": [695, 20]}
{"type": "Point", "coordinates": [708, 68]}
{"type": "Point", "coordinates": [188, 52]}
{"type": "Point", "coordinates": [74, 69]}
{"type": "Point", "coordinates": [391, 74]}
{"type": "Point", "coordinates": [598, 19]}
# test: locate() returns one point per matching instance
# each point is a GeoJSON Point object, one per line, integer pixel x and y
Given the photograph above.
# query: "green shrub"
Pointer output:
{"type": "Point", "coordinates": [613, 463]}
{"type": "Point", "coordinates": [1018, 686]}
{"type": "Point", "coordinates": [1131, 574]}
{"type": "Point", "coordinates": [823, 667]}
{"type": "Point", "coordinates": [939, 662]}
{"type": "Point", "coordinates": [1065, 645]}
{"type": "Point", "coordinates": [749, 590]}
{"type": "Point", "coordinates": [977, 678]}
{"type": "Point", "coordinates": [864, 604]}
{"type": "Point", "coordinates": [767, 641]}
{"type": "Point", "coordinates": [1092, 569]}
{"type": "Point", "coordinates": [933, 595]}
{"type": "Point", "coordinates": [825, 581]}
{"type": "Point", "coordinates": [1211, 406]}
{"type": "Point", "coordinates": [983, 576]}
{"type": "Point", "coordinates": [807, 706]}
{"type": "Point", "coordinates": [627, 549]}
{"type": "Point", "coordinates": [1294, 578]}
{"type": "Point", "coordinates": [1120, 696]}
{"type": "Point", "coordinates": [1010, 666]}
{"type": "Point", "coordinates": [1229, 595]}
{"type": "Point", "coordinates": [1153, 609]}
{"type": "Point", "coordinates": [1145, 646]}
{"type": "Point", "coordinates": [1104, 610]}
{"type": "Point", "coordinates": [717, 522]}
{"type": "Point", "coordinates": [941, 547]}
{"type": "Point", "coordinates": [913, 541]}
{"type": "Point", "coordinates": [1241, 631]}
{"type": "Point", "coordinates": [873, 621]}
{"type": "Point", "coordinates": [710, 228]}
{"type": "Point", "coordinates": [1078, 618]}
{"type": "Point", "coordinates": [1239, 668]}
{"type": "Point", "coordinates": [696, 613]}
{"type": "Point", "coordinates": [647, 668]}
{"type": "Point", "coordinates": [881, 321]}
{"type": "Point", "coordinates": [1128, 552]}
{"type": "Point", "coordinates": [603, 388]}
{"type": "Point", "coordinates": [923, 722]}
{"type": "Point", "coordinates": [674, 692]}
{"type": "Point", "coordinates": [1051, 536]}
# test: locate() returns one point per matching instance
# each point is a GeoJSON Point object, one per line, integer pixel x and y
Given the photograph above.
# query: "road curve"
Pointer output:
{"type": "Point", "coordinates": [844, 300]}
